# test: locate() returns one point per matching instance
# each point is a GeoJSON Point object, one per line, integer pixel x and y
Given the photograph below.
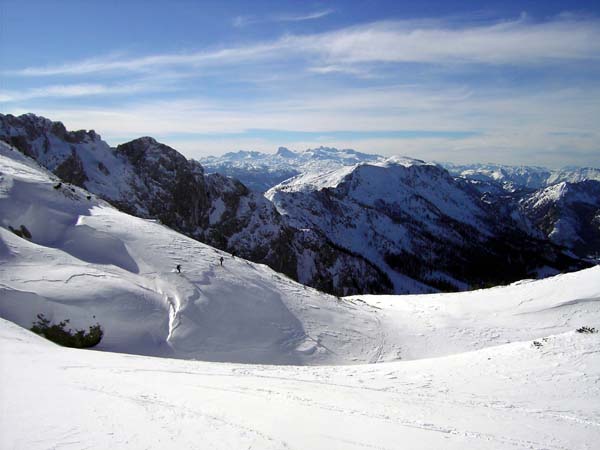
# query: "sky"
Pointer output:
{"type": "Point", "coordinates": [511, 82]}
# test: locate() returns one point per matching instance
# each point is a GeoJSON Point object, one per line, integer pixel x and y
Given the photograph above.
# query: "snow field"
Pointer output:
{"type": "Point", "coordinates": [470, 375]}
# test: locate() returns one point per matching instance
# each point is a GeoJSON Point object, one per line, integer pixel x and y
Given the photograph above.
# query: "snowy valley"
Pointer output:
{"type": "Point", "coordinates": [494, 368]}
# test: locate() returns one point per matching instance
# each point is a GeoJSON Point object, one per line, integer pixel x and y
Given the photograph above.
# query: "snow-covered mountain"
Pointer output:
{"type": "Point", "coordinates": [569, 214]}
{"type": "Point", "coordinates": [151, 180]}
{"type": "Point", "coordinates": [82, 259]}
{"type": "Point", "coordinates": [261, 171]}
{"type": "Point", "coordinates": [561, 204]}
{"type": "Point", "coordinates": [347, 223]}
{"type": "Point", "coordinates": [422, 226]}
{"type": "Point", "coordinates": [495, 368]}
{"type": "Point", "coordinates": [516, 178]}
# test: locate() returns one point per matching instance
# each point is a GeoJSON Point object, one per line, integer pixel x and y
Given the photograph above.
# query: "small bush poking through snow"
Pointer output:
{"type": "Point", "coordinates": [21, 232]}
{"type": "Point", "coordinates": [586, 330]}
{"type": "Point", "coordinates": [67, 338]}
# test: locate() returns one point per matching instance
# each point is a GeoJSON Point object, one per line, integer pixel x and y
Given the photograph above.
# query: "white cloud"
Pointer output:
{"type": "Point", "coordinates": [518, 42]}
{"type": "Point", "coordinates": [242, 21]}
{"type": "Point", "coordinates": [511, 127]}
{"type": "Point", "coordinates": [80, 90]}
{"type": "Point", "coordinates": [153, 63]}
{"type": "Point", "coordinates": [303, 17]}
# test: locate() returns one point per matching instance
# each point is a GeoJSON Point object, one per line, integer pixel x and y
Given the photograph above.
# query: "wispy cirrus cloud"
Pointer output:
{"type": "Point", "coordinates": [242, 21]}
{"type": "Point", "coordinates": [518, 42]}
{"type": "Point", "coordinates": [151, 63]}
{"type": "Point", "coordinates": [81, 90]}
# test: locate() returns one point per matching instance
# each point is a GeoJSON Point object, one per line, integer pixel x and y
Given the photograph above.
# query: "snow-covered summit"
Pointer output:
{"type": "Point", "coordinates": [493, 368]}
{"type": "Point", "coordinates": [424, 228]}
{"type": "Point", "coordinates": [569, 214]}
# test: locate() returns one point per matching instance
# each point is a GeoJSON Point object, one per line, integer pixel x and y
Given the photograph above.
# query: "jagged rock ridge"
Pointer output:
{"type": "Point", "coordinates": [151, 180]}
{"type": "Point", "coordinates": [423, 227]}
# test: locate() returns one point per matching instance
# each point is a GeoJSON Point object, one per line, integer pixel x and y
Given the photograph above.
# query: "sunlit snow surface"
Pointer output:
{"type": "Point", "coordinates": [462, 370]}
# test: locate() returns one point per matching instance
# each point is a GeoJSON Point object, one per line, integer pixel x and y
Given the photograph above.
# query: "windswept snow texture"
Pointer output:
{"type": "Point", "coordinates": [88, 262]}
{"type": "Point", "coordinates": [509, 394]}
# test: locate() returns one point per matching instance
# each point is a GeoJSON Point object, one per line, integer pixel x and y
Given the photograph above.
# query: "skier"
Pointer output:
{"type": "Point", "coordinates": [221, 259]}
{"type": "Point", "coordinates": [179, 268]}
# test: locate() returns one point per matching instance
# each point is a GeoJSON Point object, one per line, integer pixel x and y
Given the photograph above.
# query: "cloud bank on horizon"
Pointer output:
{"type": "Point", "coordinates": [498, 85]}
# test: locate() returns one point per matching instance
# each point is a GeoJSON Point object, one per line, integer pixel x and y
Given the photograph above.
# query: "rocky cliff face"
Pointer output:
{"type": "Point", "coordinates": [568, 214]}
{"type": "Point", "coordinates": [424, 228]}
{"type": "Point", "coordinates": [562, 206]}
{"type": "Point", "coordinates": [152, 180]}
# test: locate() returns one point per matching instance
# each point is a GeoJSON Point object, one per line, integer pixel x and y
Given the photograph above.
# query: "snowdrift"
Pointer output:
{"type": "Point", "coordinates": [512, 396]}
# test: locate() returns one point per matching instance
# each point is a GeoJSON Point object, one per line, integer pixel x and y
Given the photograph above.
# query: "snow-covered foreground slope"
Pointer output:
{"type": "Point", "coordinates": [88, 262]}
{"type": "Point", "coordinates": [513, 396]}
{"type": "Point", "coordinates": [444, 324]}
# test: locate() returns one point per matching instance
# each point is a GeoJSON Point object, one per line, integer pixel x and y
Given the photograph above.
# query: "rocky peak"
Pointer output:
{"type": "Point", "coordinates": [152, 180]}
{"type": "Point", "coordinates": [149, 149]}
{"type": "Point", "coordinates": [285, 153]}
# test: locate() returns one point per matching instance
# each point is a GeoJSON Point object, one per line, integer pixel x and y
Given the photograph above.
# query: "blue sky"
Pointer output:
{"type": "Point", "coordinates": [461, 81]}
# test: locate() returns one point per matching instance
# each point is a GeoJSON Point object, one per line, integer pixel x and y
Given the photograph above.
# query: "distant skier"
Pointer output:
{"type": "Point", "coordinates": [233, 255]}
{"type": "Point", "coordinates": [221, 259]}
{"type": "Point", "coordinates": [178, 268]}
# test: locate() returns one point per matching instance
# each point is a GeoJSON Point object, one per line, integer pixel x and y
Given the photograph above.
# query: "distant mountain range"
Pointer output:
{"type": "Point", "coordinates": [261, 171]}
{"type": "Point", "coordinates": [342, 221]}
{"type": "Point", "coordinates": [507, 187]}
{"type": "Point", "coordinates": [422, 226]}
{"type": "Point", "coordinates": [513, 178]}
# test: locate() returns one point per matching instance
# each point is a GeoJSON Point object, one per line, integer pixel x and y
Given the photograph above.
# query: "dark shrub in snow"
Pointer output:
{"type": "Point", "coordinates": [586, 330]}
{"type": "Point", "coordinates": [67, 338]}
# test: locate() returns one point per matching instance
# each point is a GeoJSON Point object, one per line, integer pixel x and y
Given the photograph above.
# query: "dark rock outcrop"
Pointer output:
{"type": "Point", "coordinates": [152, 180]}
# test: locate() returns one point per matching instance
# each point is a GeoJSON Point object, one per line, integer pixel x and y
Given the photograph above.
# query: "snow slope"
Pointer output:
{"type": "Point", "coordinates": [443, 324]}
{"type": "Point", "coordinates": [470, 374]}
{"type": "Point", "coordinates": [89, 262]}
{"type": "Point", "coordinates": [508, 396]}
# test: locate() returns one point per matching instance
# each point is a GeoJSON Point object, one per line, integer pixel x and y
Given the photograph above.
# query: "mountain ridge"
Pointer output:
{"type": "Point", "coordinates": [146, 178]}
